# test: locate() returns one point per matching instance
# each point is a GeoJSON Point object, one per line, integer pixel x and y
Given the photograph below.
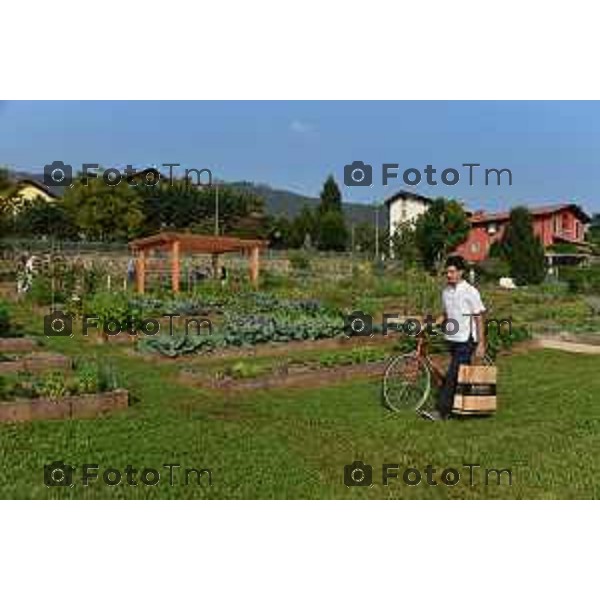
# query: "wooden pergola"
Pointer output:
{"type": "Point", "coordinates": [180, 243]}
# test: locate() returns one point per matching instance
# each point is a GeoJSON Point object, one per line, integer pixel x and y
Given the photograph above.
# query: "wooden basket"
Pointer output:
{"type": "Point", "coordinates": [476, 390]}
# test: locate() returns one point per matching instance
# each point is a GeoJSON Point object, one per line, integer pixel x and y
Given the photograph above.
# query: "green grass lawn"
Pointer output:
{"type": "Point", "coordinates": [295, 443]}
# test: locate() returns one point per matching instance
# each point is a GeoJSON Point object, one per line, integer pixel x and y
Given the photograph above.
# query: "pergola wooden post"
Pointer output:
{"type": "Point", "coordinates": [140, 271]}
{"type": "Point", "coordinates": [175, 268]}
{"type": "Point", "coordinates": [178, 243]}
{"type": "Point", "coordinates": [254, 265]}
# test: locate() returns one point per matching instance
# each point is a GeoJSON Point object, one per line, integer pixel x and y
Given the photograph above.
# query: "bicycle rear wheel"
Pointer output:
{"type": "Point", "coordinates": [406, 383]}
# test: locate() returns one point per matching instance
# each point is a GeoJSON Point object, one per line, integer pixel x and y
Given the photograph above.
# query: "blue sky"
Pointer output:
{"type": "Point", "coordinates": [552, 148]}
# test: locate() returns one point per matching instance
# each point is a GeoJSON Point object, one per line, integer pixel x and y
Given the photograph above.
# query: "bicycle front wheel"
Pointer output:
{"type": "Point", "coordinates": [406, 383]}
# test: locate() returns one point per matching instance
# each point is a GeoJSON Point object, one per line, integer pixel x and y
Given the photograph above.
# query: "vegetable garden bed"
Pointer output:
{"type": "Point", "coordinates": [304, 379]}
{"type": "Point", "coordinates": [70, 407]}
{"type": "Point", "coordinates": [311, 370]}
{"type": "Point", "coordinates": [17, 344]}
{"type": "Point", "coordinates": [271, 349]}
{"type": "Point", "coordinates": [36, 363]}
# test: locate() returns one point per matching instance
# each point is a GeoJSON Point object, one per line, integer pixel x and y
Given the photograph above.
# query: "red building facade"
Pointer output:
{"type": "Point", "coordinates": [552, 224]}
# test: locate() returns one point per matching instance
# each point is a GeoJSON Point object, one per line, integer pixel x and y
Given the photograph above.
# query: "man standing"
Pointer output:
{"type": "Point", "coordinates": [463, 330]}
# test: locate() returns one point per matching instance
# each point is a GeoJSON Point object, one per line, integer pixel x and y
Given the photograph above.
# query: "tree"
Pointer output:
{"type": "Point", "coordinates": [364, 235]}
{"type": "Point", "coordinates": [404, 245]}
{"type": "Point", "coordinates": [439, 230]}
{"type": "Point", "coordinates": [40, 217]}
{"type": "Point", "coordinates": [303, 228]}
{"type": "Point", "coordinates": [6, 183]}
{"type": "Point", "coordinates": [330, 228]}
{"type": "Point", "coordinates": [593, 232]}
{"type": "Point", "coordinates": [280, 233]}
{"type": "Point", "coordinates": [333, 234]}
{"type": "Point", "coordinates": [364, 238]}
{"type": "Point", "coordinates": [103, 212]}
{"type": "Point", "coordinates": [331, 197]}
{"type": "Point", "coordinates": [524, 251]}
{"type": "Point", "coordinates": [182, 206]}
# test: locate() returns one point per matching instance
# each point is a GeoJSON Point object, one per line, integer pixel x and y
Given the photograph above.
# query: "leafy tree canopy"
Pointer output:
{"type": "Point", "coordinates": [440, 230]}
{"type": "Point", "coordinates": [524, 251]}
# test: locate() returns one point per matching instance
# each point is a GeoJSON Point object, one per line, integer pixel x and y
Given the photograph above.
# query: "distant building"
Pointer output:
{"type": "Point", "coordinates": [29, 189]}
{"type": "Point", "coordinates": [25, 190]}
{"type": "Point", "coordinates": [405, 207]}
{"type": "Point", "coordinates": [557, 223]}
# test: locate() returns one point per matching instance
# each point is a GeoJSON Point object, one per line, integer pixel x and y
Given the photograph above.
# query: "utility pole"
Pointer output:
{"type": "Point", "coordinates": [352, 247]}
{"type": "Point", "coordinates": [376, 231]}
{"type": "Point", "coordinates": [217, 208]}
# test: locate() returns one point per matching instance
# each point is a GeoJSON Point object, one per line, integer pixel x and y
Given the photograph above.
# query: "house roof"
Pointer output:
{"type": "Point", "coordinates": [196, 243]}
{"type": "Point", "coordinates": [38, 185]}
{"type": "Point", "coordinates": [536, 211]}
{"type": "Point", "coordinates": [405, 195]}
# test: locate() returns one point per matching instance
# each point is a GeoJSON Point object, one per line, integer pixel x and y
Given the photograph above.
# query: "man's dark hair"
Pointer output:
{"type": "Point", "coordinates": [456, 261]}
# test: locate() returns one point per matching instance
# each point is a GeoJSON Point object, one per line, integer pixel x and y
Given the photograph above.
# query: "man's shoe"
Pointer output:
{"type": "Point", "coordinates": [433, 415]}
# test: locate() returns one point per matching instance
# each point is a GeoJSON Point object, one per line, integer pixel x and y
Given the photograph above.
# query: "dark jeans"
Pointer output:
{"type": "Point", "coordinates": [460, 354]}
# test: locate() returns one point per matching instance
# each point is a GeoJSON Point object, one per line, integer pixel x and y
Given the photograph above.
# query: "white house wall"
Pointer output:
{"type": "Point", "coordinates": [404, 210]}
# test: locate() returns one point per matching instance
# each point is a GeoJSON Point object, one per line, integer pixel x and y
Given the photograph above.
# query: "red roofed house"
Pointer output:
{"type": "Point", "coordinates": [558, 223]}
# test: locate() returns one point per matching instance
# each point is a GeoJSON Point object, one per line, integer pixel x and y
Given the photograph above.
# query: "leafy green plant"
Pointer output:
{"type": "Point", "coordinates": [40, 292]}
{"type": "Point", "coordinates": [243, 370]}
{"type": "Point", "coordinates": [87, 379]}
{"type": "Point", "coordinates": [504, 340]}
{"type": "Point", "coordinates": [581, 280]}
{"type": "Point", "coordinates": [107, 377]}
{"type": "Point", "coordinates": [93, 278]}
{"type": "Point", "coordinates": [112, 307]}
{"type": "Point", "coordinates": [5, 320]}
{"type": "Point", "coordinates": [5, 388]}
{"type": "Point", "coordinates": [328, 360]}
{"type": "Point", "coordinates": [367, 354]}
{"type": "Point", "coordinates": [256, 319]}
{"type": "Point", "coordinates": [359, 355]}
{"type": "Point", "coordinates": [53, 385]}
{"type": "Point", "coordinates": [299, 261]}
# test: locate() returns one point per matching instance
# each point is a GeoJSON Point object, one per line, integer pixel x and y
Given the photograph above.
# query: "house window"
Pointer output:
{"type": "Point", "coordinates": [565, 221]}
{"type": "Point", "coordinates": [492, 228]}
{"type": "Point", "coordinates": [475, 247]}
{"type": "Point", "coordinates": [577, 230]}
{"type": "Point", "coordinates": [556, 224]}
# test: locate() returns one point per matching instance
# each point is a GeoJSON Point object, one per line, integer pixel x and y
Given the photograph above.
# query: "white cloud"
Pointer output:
{"type": "Point", "coordinates": [300, 126]}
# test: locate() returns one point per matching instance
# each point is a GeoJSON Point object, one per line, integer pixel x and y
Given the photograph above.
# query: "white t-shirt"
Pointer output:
{"type": "Point", "coordinates": [461, 303]}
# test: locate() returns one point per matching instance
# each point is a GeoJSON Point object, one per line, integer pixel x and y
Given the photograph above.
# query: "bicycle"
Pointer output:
{"type": "Point", "coordinates": [407, 379]}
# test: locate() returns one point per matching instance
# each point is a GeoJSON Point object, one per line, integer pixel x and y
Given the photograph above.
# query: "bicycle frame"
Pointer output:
{"type": "Point", "coordinates": [423, 355]}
